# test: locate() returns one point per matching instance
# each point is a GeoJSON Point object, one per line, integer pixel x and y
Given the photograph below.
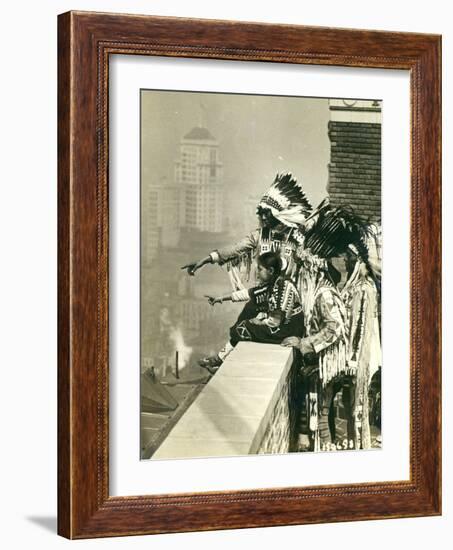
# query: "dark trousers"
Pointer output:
{"type": "Point", "coordinates": [243, 330]}
{"type": "Point", "coordinates": [325, 410]}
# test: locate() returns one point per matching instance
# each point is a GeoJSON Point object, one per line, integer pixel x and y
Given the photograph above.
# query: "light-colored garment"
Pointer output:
{"type": "Point", "coordinates": [240, 295]}
{"type": "Point", "coordinates": [364, 348]}
{"type": "Point", "coordinates": [361, 300]}
{"type": "Point", "coordinates": [241, 255]}
{"type": "Point", "coordinates": [327, 323]}
{"type": "Point", "coordinates": [327, 333]}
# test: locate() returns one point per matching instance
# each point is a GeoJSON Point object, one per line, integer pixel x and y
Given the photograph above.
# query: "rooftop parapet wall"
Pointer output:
{"type": "Point", "coordinates": [242, 410]}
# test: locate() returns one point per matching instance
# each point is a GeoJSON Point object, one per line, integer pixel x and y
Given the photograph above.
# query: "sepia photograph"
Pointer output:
{"type": "Point", "coordinates": [229, 194]}
{"type": "Point", "coordinates": [260, 274]}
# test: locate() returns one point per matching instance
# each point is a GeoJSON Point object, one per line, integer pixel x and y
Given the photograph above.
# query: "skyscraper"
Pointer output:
{"type": "Point", "coordinates": [198, 172]}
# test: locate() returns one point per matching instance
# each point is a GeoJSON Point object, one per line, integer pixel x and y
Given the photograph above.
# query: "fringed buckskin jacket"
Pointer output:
{"type": "Point", "coordinates": [281, 239]}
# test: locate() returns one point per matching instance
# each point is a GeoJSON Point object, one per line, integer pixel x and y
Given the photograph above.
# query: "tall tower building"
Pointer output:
{"type": "Point", "coordinates": [198, 172]}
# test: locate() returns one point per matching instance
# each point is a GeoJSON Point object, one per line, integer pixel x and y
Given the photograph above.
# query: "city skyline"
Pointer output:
{"type": "Point", "coordinates": [192, 200]}
{"type": "Point", "coordinates": [207, 160]}
{"type": "Point", "coordinates": [258, 136]}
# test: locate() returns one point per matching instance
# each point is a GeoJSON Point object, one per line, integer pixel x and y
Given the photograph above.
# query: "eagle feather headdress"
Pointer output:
{"type": "Point", "coordinates": [287, 201]}
{"type": "Point", "coordinates": [332, 230]}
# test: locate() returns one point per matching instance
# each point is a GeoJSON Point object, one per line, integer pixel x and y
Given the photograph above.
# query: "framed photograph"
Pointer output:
{"type": "Point", "coordinates": [249, 275]}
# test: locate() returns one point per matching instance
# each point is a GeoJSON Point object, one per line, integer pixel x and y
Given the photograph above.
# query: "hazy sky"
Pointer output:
{"type": "Point", "coordinates": [258, 137]}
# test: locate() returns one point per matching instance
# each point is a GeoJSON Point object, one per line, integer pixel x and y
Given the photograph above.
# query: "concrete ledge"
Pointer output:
{"type": "Point", "coordinates": [232, 413]}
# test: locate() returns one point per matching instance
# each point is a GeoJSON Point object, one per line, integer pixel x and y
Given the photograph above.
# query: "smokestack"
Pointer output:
{"type": "Point", "coordinates": [177, 364]}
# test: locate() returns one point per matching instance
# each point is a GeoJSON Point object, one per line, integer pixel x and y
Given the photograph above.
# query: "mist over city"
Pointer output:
{"type": "Point", "coordinates": [206, 161]}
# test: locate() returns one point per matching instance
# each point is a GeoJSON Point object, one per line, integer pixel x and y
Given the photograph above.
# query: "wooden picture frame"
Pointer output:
{"type": "Point", "coordinates": [85, 42]}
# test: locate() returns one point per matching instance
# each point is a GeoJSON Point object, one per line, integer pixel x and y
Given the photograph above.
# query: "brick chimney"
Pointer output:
{"type": "Point", "coordinates": [355, 156]}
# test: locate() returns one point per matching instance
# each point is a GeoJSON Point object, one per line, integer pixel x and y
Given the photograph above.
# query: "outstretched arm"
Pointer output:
{"type": "Point", "coordinates": [226, 253]}
{"type": "Point", "coordinates": [218, 300]}
{"type": "Point", "coordinates": [236, 296]}
{"type": "Point", "coordinates": [246, 245]}
{"type": "Point", "coordinates": [195, 266]}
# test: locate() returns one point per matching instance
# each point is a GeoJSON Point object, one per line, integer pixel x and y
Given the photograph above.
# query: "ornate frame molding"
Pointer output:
{"type": "Point", "coordinates": [85, 41]}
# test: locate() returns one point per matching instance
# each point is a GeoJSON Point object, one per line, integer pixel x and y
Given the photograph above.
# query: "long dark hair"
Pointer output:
{"type": "Point", "coordinates": [271, 260]}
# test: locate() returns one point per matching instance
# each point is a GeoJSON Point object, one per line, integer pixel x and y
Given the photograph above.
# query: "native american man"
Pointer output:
{"type": "Point", "coordinates": [323, 348]}
{"type": "Point", "coordinates": [328, 233]}
{"type": "Point", "coordinates": [360, 295]}
{"type": "Point", "coordinates": [281, 212]}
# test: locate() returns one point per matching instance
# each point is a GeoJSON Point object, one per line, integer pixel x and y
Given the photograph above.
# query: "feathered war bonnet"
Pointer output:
{"type": "Point", "coordinates": [334, 230]}
{"type": "Point", "coordinates": [287, 201]}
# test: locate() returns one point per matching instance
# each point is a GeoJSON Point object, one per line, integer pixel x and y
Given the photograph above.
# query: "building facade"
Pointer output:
{"type": "Point", "coordinates": [193, 200]}
{"type": "Point", "coordinates": [199, 174]}
{"type": "Point", "coordinates": [355, 159]}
